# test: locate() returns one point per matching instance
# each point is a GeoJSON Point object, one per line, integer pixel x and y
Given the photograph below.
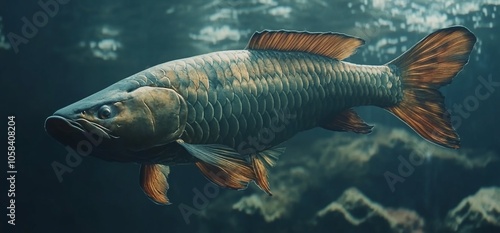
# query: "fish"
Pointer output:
{"type": "Point", "coordinates": [228, 112]}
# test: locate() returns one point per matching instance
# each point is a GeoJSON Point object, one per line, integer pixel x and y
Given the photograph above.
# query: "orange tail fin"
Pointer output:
{"type": "Point", "coordinates": [430, 64]}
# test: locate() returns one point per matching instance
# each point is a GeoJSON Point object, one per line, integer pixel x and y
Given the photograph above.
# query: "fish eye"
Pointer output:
{"type": "Point", "coordinates": [104, 112]}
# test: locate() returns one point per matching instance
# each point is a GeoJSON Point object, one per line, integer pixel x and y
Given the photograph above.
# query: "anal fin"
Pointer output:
{"type": "Point", "coordinates": [153, 181]}
{"type": "Point", "coordinates": [261, 162]}
{"type": "Point", "coordinates": [348, 120]}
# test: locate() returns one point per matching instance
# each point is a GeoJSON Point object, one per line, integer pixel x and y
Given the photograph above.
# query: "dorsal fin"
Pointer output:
{"type": "Point", "coordinates": [329, 44]}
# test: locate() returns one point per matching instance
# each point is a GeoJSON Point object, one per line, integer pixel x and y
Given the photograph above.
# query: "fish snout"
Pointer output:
{"type": "Point", "coordinates": [64, 130]}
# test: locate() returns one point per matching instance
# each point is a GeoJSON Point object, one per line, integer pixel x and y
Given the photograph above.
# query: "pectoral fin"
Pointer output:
{"type": "Point", "coordinates": [223, 178]}
{"type": "Point", "coordinates": [348, 120]}
{"type": "Point", "coordinates": [153, 181]}
{"type": "Point", "coordinates": [221, 164]}
{"type": "Point", "coordinates": [260, 162]}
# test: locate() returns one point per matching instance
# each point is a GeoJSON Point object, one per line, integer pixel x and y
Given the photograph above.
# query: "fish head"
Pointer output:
{"type": "Point", "coordinates": [121, 121]}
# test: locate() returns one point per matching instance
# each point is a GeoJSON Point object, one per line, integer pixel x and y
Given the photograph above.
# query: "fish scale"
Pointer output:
{"type": "Point", "coordinates": [191, 110]}
{"type": "Point", "coordinates": [232, 95]}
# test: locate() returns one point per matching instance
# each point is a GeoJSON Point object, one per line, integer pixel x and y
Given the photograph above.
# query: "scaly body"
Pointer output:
{"type": "Point", "coordinates": [232, 95]}
{"type": "Point", "coordinates": [210, 109]}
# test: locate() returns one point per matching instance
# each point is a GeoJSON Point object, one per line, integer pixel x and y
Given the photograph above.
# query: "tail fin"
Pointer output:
{"type": "Point", "coordinates": [430, 64]}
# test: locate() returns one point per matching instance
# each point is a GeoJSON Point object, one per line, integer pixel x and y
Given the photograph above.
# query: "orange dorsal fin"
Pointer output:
{"type": "Point", "coordinates": [333, 45]}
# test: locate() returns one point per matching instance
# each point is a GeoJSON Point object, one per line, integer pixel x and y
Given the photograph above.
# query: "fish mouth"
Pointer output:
{"type": "Point", "coordinates": [71, 132]}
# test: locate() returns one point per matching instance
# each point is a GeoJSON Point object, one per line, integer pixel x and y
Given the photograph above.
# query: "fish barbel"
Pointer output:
{"type": "Point", "coordinates": [227, 111]}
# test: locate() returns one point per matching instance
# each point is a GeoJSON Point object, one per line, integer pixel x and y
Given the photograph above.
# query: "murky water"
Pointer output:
{"type": "Point", "coordinates": [54, 53]}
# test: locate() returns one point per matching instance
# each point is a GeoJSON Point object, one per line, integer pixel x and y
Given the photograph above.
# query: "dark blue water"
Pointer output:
{"type": "Point", "coordinates": [71, 49]}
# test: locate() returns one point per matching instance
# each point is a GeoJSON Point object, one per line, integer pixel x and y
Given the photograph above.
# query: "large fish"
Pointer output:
{"type": "Point", "coordinates": [227, 111]}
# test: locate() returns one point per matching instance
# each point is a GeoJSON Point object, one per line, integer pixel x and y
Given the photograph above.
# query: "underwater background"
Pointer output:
{"type": "Point", "coordinates": [388, 181]}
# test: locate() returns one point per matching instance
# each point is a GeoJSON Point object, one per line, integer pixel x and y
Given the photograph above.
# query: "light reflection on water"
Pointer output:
{"type": "Point", "coordinates": [376, 21]}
